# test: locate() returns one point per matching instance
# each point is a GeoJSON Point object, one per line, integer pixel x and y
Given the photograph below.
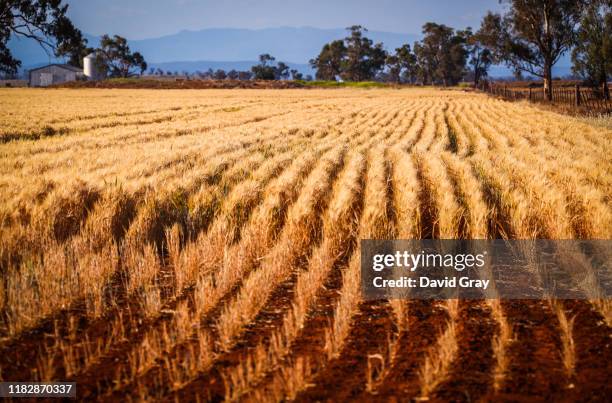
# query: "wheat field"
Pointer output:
{"type": "Point", "coordinates": [203, 245]}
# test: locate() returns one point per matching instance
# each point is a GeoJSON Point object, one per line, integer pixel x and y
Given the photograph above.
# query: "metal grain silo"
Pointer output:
{"type": "Point", "coordinates": [92, 68]}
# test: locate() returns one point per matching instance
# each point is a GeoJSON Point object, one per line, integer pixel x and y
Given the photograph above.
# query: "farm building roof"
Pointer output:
{"type": "Point", "coordinates": [64, 66]}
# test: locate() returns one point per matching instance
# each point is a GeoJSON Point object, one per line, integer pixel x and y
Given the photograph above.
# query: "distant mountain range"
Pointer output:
{"type": "Point", "coordinates": [234, 48]}
{"type": "Point", "coordinates": [225, 48]}
{"type": "Point", "coordinates": [294, 45]}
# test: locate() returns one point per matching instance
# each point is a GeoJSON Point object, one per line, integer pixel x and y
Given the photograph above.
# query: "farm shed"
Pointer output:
{"type": "Point", "coordinates": [54, 74]}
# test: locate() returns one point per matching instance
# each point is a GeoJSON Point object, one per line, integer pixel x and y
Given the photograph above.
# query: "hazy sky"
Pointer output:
{"type": "Point", "coordinates": [138, 19]}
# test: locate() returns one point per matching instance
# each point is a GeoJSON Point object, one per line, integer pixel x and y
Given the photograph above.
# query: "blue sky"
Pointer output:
{"type": "Point", "coordinates": [139, 19]}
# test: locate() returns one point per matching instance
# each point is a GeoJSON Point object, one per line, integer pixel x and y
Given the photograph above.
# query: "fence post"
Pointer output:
{"type": "Point", "coordinates": [577, 95]}
{"type": "Point", "coordinates": [529, 94]}
{"type": "Point", "coordinates": [505, 91]}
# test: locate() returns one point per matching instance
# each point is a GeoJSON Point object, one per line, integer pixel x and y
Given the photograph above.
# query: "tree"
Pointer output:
{"type": "Point", "coordinates": [264, 70]}
{"type": "Point", "coordinates": [267, 71]}
{"type": "Point", "coordinates": [401, 65]}
{"type": "Point", "coordinates": [296, 75]}
{"type": "Point", "coordinates": [394, 68]}
{"type": "Point", "coordinates": [281, 72]}
{"type": "Point", "coordinates": [363, 59]}
{"type": "Point", "coordinates": [329, 62]}
{"type": "Point", "coordinates": [355, 58]}
{"type": "Point", "coordinates": [74, 49]}
{"type": "Point", "coordinates": [43, 21]}
{"type": "Point", "coordinates": [592, 55]}
{"type": "Point", "coordinates": [424, 64]}
{"type": "Point", "coordinates": [407, 61]}
{"type": "Point", "coordinates": [245, 75]}
{"type": "Point", "coordinates": [480, 58]}
{"type": "Point", "coordinates": [115, 54]}
{"type": "Point", "coordinates": [533, 35]}
{"type": "Point", "coordinates": [220, 74]}
{"type": "Point", "coordinates": [232, 74]}
{"type": "Point", "coordinates": [441, 54]}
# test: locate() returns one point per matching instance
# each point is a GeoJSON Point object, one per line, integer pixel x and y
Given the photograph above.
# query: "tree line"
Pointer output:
{"type": "Point", "coordinates": [530, 37]}
{"type": "Point", "coordinates": [264, 70]}
{"type": "Point", "coordinates": [444, 56]}
{"type": "Point", "coordinates": [210, 74]}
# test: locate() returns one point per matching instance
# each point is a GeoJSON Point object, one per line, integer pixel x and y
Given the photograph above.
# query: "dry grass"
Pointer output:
{"type": "Point", "coordinates": [338, 231]}
{"type": "Point", "coordinates": [438, 360]}
{"type": "Point", "coordinates": [294, 243]}
{"type": "Point", "coordinates": [160, 224]}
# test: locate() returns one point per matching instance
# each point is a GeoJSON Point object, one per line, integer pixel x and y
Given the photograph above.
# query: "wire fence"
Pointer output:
{"type": "Point", "coordinates": [592, 100]}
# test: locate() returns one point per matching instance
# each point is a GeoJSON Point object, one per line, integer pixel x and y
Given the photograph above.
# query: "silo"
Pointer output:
{"type": "Point", "coordinates": [91, 67]}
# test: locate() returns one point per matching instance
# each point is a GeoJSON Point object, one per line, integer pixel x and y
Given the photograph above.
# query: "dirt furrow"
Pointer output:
{"type": "Point", "coordinates": [96, 332]}
{"type": "Point", "coordinates": [470, 375]}
{"type": "Point", "coordinates": [281, 294]}
{"type": "Point", "coordinates": [259, 332]}
{"type": "Point", "coordinates": [535, 368]}
{"type": "Point", "coordinates": [337, 244]}
{"type": "Point", "coordinates": [349, 345]}
{"type": "Point", "coordinates": [182, 296]}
